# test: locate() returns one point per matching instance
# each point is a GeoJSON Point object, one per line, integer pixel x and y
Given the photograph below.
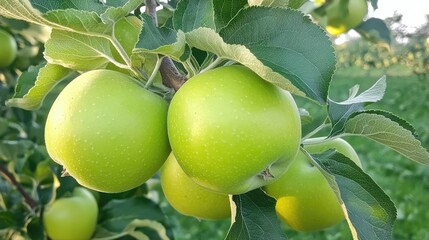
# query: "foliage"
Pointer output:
{"type": "Point", "coordinates": [409, 49]}
{"type": "Point", "coordinates": [58, 40]}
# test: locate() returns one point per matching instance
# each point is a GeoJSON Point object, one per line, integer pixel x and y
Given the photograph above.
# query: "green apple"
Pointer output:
{"type": "Point", "coordinates": [357, 10]}
{"type": "Point", "coordinates": [189, 198]}
{"type": "Point", "coordinates": [339, 19]}
{"type": "Point", "coordinates": [231, 131]}
{"type": "Point", "coordinates": [73, 217]}
{"type": "Point", "coordinates": [8, 49]}
{"type": "Point", "coordinates": [305, 201]}
{"type": "Point", "coordinates": [107, 131]}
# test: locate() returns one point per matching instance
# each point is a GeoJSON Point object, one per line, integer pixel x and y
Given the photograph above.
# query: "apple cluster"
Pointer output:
{"type": "Point", "coordinates": [225, 132]}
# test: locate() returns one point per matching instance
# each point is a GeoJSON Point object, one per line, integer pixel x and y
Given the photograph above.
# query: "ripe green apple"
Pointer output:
{"type": "Point", "coordinates": [8, 49]}
{"type": "Point", "coordinates": [107, 131]}
{"type": "Point", "coordinates": [340, 23]}
{"type": "Point", "coordinates": [73, 217]}
{"type": "Point", "coordinates": [305, 201]}
{"type": "Point", "coordinates": [231, 131]}
{"type": "Point", "coordinates": [189, 198]}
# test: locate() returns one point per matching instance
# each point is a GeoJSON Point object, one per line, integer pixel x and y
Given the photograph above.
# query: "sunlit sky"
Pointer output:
{"type": "Point", "coordinates": [413, 11]}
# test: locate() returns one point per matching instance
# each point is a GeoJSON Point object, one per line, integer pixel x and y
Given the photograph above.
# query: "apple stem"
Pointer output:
{"type": "Point", "coordinates": [316, 130]}
{"type": "Point", "coordinates": [266, 174]}
{"type": "Point", "coordinates": [326, 139]}
{"type": "Point", "coordinates": [171, 77]}
{"type": "Point", "coordinates": [137, 71]}
{"type": "Point", "coordinates": [308, 155]}
{"type": "Point", "coordinates": [212, 65]}
{"type": "Point", "coordinates": [12, 180]}
{"type": "Point", "coordinates": [64, 173]}
{"type": "Point", "coordinates": [154, 72]}
{"type": "Point", "coordinates": [192, 71]}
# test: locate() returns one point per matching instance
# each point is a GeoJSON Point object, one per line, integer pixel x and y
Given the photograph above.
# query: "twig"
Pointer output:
{"type": "Point", "coordinates": [151, 10]}
{"type": "Point", "coordinates": [171, 77]}
{"type": "Point", "coordinates": [12, 180]}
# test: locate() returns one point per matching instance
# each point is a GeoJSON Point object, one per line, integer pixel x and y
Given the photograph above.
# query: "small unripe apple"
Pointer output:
{"type": "Point", "coordinates": [8, 49]}
{"type": "Point", "coordinates": [189, 198]}
{"type": "Point", "coordinates": [305, 200]}
{"type": "Point", "coordinates": [72, 218]}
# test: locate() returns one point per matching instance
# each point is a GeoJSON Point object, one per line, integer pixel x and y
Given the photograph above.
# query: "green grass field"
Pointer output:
{"type": "Point", "coordinates": [406, 182]}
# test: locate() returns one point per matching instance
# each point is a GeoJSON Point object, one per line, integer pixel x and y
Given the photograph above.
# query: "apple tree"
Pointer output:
{"type": "Point", "coordinates": [192, 99]}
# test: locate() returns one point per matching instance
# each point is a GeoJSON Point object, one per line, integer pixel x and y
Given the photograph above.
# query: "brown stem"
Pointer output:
{"type": "Point", "coordinates": [171, 77]}
{"type": "Point", "coordinates": [151, 10]}
{"type": "Point", "coordinates": [12, 180]}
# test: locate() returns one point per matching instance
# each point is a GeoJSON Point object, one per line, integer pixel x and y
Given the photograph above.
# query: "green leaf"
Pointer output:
{"type": "Point", "coordinates": [47, 78]}
{"type": "Point", "coordinates": [78, 21]}
{"type": "Point", "coordinates": [269, 3]}
{"type": "Point", "coordinates": [305, 116]}
{"type": "Point", "coordinates": [4, 125]}
{"type": "Point", "coordinates": [26, 81]}
{"type": "Point", "coordinates": [375, 30]}
{"type": "Point", "coordinates": [340, 112]}
{"type": "Point", "coordinates": [88, 5]}
{"type": "Point", "coordinates": [255, 217]}
{"type": "Point", "coordinates": [116, 215]}
{"type": "Point", "coordinates": [134, 225]}
{"type": "Point", "coordinates": [77, 51]}
{"type": "Point", "coordinates": [390, 131]}
{"type": "Point", "coordinates": [115, 14]}
{"type": "Point", "coordinates": [160, 40]}
{"type": "Point", "coordinates": [35, 229]}
{"type": "Point", "coordinates": [116, 3]}
{"type": "Point", "coordinates": [225, 10]}
{"type": "Point", "coordinates": [21, 10]}
{"type": "Point", "coordinates": [374, 4]}
{"type": "Point", "coordinates": [7, 220]}
{"type": "Point", "coordinates": [295, 4]}
{"type": "Point", "coordinates": [369, 211]}
{"type": "Point", "coordinates": [289, 43]}
{"type": "Point", "coordinates": [192, 14]}
{"type": "Point", "coordinates": [402, 122]}
{"type": "Point", "coordinates": [70, 19]}
{"type": "Point", "coordinates": [12, 151]}
{"type": "Point", "coordinates": [208, 40]}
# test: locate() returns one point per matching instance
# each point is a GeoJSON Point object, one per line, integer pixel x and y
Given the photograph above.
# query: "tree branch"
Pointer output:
{"type": "Point", "coordinates": [12, 180]}
{"type": "Point", "coordinates": [171, 77]}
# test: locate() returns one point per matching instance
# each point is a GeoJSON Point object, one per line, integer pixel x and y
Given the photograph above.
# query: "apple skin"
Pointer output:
{"type": "Point", "coordinates": [72, 218]}
{"type": "Point", "coordinates": [305, 201]}
{"type": "Point", "coordinates": [189, 198]}
{"type": "Point", "coordinates": [8, 49]}
{"type": "Point", "coordinates": [107, 131]}
{"type": "Point", "coordinates": [227, 126]}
